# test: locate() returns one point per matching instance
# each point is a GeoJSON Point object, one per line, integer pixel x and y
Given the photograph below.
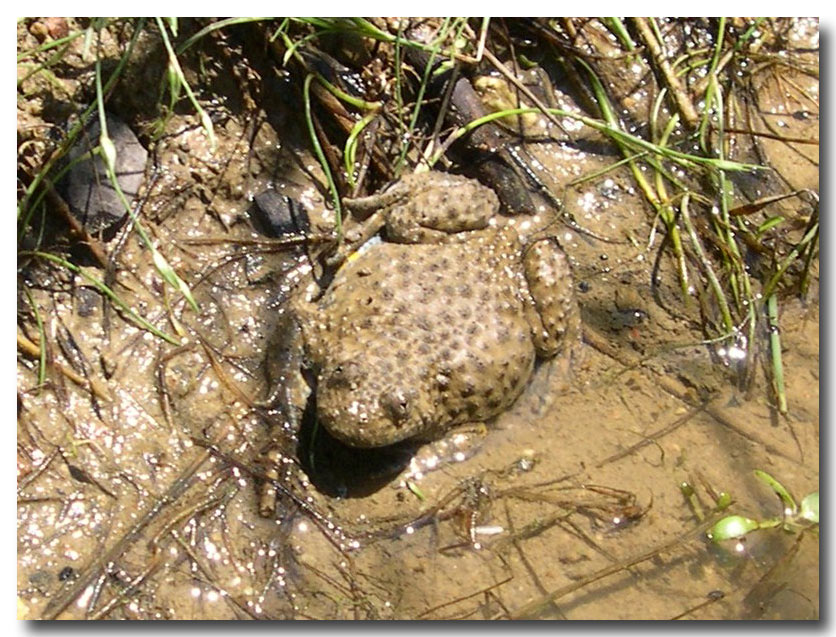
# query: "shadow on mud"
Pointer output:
{"type": "Point", "coordinates": [339, 470]}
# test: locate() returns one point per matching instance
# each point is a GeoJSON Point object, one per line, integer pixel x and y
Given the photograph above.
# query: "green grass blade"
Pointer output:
{"type": "Point", "coordinates": [320, 155]}
{"type": "Point", "coordinates": [775, 350]}
{"type": "Point", "coordinates": [215, 26]}
{"type": "Point", "coordinates": [41, 338]}
{"type": "Point", "coordinates": [174, 67]}
{"type": "Point", "coordinates": [350, 152]}
{"type": "Point", "coordinates": [104, 289]}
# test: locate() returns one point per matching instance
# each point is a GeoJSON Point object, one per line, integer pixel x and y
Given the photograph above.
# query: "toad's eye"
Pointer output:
{"type": "Point", "coordinates": [396, 405]}
{"type": "Point", "coordinates": [344, 375]}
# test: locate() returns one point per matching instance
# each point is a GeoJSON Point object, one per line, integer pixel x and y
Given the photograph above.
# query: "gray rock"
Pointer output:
{"type": "Point", "coordinates": [86, 188]}
{"type": "Point", "coordinates": [278, 215]}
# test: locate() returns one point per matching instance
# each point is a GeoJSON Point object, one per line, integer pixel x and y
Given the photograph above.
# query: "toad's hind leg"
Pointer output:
{"type": "Point", "coordinates": [551, 308]}
{"type": "Point", "coordinates": [457, 445]}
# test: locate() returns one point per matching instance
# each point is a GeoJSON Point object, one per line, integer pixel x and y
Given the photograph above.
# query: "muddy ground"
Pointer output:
{"type": "Point", "coordinates": [136, 485]}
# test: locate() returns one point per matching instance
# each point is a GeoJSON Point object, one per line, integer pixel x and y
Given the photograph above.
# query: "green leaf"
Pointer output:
{"type": "Point", "coordinates": [171, 277]}
{"type": "Point", "coordinates": [810, 507]}
{"type": "Point", "coordinates": [108, 152]}
{"type": "Point", "coordinates": [172, 25]}
{"type": "Point", "coordinates": [175, 82]}
{"type": "Point", "coordinates": [724, 500]}
{"type": "Point", "coordinates": [351, 146]}
{"type": "Point", "coordinates": [732, 527]}
{"type": "Point", "coordinates": [206, 122]}
{"type": "Point", "coordinates": [413, 487]}
{"type": "Point", "coordinates": [778, 488]}
{"type": "Point", "coordinates": [769, 224]}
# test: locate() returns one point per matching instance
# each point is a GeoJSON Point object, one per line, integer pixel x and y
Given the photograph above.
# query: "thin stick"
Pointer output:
{"type": "Point", "coordinates": [95, 387]}
{"type": "Point", "coordinates": [677, 90]}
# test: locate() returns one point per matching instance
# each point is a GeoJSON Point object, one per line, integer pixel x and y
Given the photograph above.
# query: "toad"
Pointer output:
{"type": "Point", "coordinates": [438, 325]}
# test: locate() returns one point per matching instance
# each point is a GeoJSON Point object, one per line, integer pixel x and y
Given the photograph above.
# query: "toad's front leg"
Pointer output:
{"type": "Point", "coordinates": [286, 405]}
{"type": "Point", "coordinates": [371, 213]}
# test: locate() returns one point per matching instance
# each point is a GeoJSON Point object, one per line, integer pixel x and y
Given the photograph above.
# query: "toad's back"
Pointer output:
{"type": "Point", "coordinates": [437, 327]}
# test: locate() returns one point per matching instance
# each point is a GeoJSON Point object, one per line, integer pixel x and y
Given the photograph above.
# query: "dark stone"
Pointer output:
{"type": "Point", "coordinates": [278, 215]}
{"type": "Point", "coordinates": [87, 300]}
{"type": "Point", "coordinates": [86, 188]}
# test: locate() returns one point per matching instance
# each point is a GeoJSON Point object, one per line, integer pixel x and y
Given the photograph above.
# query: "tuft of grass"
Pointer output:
{"type": "Point", "coordinates": [364, 28]}
{"type": "Point", "coordinates": [177, 81]}
{"type": "Point", "coordinates": [108, 151]}
{"type": "Point", "coordinates": [633, 142]}
{"type": "Point", "coordinates": [53, 170]}
{"type": "Point", "coordinates": [409, 134]}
